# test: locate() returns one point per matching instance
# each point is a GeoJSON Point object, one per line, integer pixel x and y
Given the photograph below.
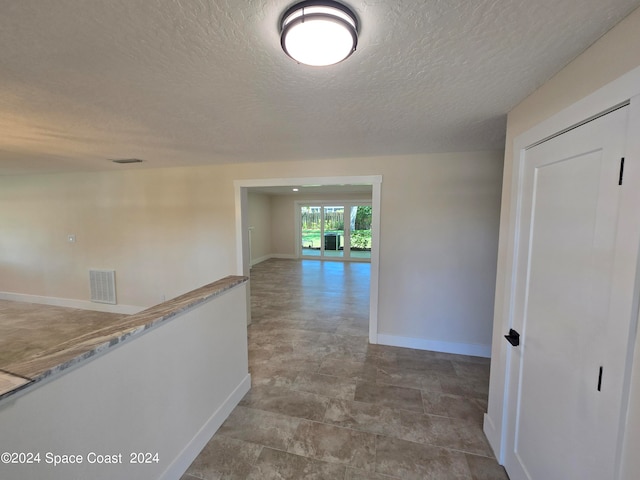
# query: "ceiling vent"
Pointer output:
{"type": "Point", "coordinates": [103, 286]}
{"type": "Point", "coordinates": [127, 160]}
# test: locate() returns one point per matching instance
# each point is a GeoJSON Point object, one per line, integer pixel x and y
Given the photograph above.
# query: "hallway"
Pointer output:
{"type": "Point", "coordinates": [325, 404]}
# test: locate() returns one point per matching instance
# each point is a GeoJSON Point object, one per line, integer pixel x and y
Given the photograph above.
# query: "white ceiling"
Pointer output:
{"type": "Point", "coordinates": [205, 81]}
{"type": "Point", "coordinates": [307, 191]}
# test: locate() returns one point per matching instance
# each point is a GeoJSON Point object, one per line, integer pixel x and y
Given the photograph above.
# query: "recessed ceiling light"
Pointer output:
{"type": "Point", "coordinates": [319, 33]}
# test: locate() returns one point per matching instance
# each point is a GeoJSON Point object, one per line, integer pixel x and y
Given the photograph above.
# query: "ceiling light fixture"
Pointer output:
{"type": "Point", "coordinates": [319, 33]}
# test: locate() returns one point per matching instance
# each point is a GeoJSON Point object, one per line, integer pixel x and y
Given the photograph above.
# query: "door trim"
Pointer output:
{"type": "Point", "coordinates": [600, 144]}
{"type": "Point", "coordinates": [243, 259]}
{"type": "Point", "coordinates": [624, 89]}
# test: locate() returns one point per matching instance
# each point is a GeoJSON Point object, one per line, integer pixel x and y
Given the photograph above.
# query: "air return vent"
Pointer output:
{"type": "Point", "coordinates": [103, 286]}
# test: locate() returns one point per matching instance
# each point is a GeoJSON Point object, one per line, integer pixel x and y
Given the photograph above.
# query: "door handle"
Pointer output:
{"type": "Point", "coordinates": [513, 338]}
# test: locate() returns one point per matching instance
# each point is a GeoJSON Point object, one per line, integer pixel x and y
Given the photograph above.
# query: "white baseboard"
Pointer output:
{"type": "Point", "coordinates": [285, 256]}
{"type": "Point", "coordinates": [71, 303]}
{"type": "Point", "coordinates": [256, 261]}
{"type": "Point", "coordinates": [472, 349]}
{"type": "Point", "coordinates": [195, 446]}
{"type": "Point", "coordinates": [493, 436]}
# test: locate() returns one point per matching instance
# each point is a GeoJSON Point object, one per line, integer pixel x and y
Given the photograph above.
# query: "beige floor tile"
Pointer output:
{"type": "Point", "coordinates": [353, 474]}
{"type": "Point", "coordinates": [278, 465]}
{"type": "Point", "coordinates": [470, 438]}
{"type": "Point", "coordinates": [406, 425]}
{"type": "Point", "coordinates": [191, 477]}
{"type": "Point", "coordinates": [390, 396]}
{"type": "Point", "coordinates": [274, 375]}
{"type": "Point", "coordinates": [483, 468]}
{"type": "Point", "coordinates": [353, 327]}
{"type": "Point", "coordinates": [326, 385]}
{"type": "Point", "coordinates": [349, 366]}
{"type": "Point", "coordinates": [334, 445]}
{"type": "Point", "coordinates": [478, 371]}
{"type": "Point", "coordinates": [224, 458]}
{"type": "Point", "coordinates": [365, 417]}
{"type": "Point", "coordinates": [413, 461]}
{"type": "Point", "coordinates": [412, 414]}
{"type": "Point", "coordinates": [286, 401]}
{"type": "Point", "coordinates": [259, 355]}
{"type": "Point", "coordinates": [455, 406]}
{"type": "Point", "coordinates": [260, 427]}
{"type": "Point", "coordinates": [465, 386]}
{"type": "Point", "coordinates": [292, 355]}
{"type": "Point", "coordinates": [425, 364]}
{"type": "Point", "coordinates": [421, 380]}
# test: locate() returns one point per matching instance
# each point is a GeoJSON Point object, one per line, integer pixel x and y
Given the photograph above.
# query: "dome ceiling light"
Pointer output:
{"type": "Point", "coordinates": [319, 33]}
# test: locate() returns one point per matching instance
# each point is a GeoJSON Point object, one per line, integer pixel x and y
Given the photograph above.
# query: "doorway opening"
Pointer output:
{"type": "Point", "coordinates": [373, 182]}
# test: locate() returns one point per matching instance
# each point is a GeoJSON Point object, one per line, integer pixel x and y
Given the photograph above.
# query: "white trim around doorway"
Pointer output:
{"type": "Point", "coordinates": [624, 90]}
{"type": "Point", "coordinates": [242, 228]}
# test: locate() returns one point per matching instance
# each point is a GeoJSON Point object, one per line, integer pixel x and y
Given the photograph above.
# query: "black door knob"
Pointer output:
{"type": "Point", "coordinates": [513, 338]}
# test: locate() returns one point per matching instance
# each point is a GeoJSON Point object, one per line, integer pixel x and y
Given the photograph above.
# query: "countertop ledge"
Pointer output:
{"type": "Point", "coordinates": [73, 352]}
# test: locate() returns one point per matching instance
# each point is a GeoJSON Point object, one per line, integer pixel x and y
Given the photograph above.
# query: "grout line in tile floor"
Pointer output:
{"type": "Point", "coordinates": [382, 435]}
{"type": "Point", "coordinates": [302, 367]}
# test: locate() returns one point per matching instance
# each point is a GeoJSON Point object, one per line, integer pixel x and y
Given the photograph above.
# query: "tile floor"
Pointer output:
{"type": "Point", "coordinates": [325, 404]}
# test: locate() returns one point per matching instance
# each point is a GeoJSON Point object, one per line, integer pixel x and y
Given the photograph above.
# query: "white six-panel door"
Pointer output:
{"type": "Point", "coordinates": [566, 376]}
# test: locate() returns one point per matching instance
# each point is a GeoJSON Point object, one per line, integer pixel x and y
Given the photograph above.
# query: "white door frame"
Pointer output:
{"type": "Point", "coordinates": [243, 260]}
{"type": "Point", "coordinates": [625, 89]}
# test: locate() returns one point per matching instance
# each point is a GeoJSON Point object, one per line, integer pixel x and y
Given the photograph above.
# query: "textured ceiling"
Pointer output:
{"type": "Point", "coordinates": [196, 82]}
{"type": "Point", "coordinates": [307, 191]}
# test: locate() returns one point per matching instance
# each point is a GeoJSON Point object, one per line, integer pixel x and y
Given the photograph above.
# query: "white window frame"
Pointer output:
{"type": "Point", "coordinates": [321, 204]}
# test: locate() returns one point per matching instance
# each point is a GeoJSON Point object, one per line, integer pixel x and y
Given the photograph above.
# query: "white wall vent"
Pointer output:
{"type": "Point", "coordinates": [103, 286]}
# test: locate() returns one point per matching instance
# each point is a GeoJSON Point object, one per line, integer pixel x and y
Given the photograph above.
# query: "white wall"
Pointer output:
{"type": "Point", "coordinates": [283, 235]}
{"type": "Point", "coordinates": [164, 231]}
{"type": "Point", "coordinates": [615, 54]}
{"type": "Point", "coordinates": [437, 253]}
{"type": "Point", "coordinates": [166, 391]}
{"type": "Point", "coordinates": [260, 222]}
{"type": "Point", "coordinates": [168, 231]}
